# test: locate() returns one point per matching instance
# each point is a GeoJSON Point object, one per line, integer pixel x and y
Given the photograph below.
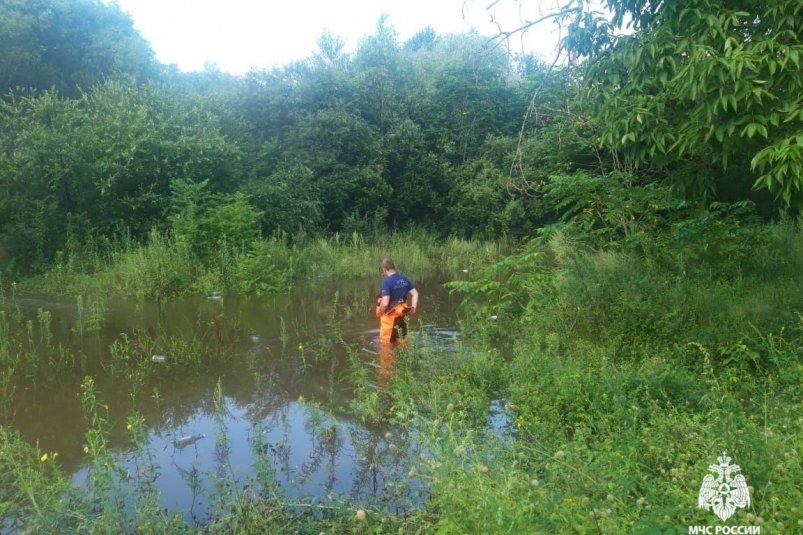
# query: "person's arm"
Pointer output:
{"type": "Point", "coordinates": [413, 300]}
{"type": "Point", "coordinates": [382, 305]}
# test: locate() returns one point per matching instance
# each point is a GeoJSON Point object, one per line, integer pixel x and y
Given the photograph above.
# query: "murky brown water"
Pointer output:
{"type": "Point", "coordinates": [284, 349]}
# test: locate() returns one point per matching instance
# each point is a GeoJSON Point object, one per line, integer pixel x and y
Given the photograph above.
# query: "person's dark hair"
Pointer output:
{"type": "Point", "coordinates": [387, 263]}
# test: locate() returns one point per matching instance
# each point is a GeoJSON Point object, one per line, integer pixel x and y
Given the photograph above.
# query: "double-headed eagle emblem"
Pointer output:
{"type": "Point", "coordinates": [725, 491]}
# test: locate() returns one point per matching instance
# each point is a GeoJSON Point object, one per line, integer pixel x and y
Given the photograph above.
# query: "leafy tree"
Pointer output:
{"type": "Point", "coordinates": [423, 40]}
{"type": "Point", "coordinates": [703, 79]}
{"type": "Point", "coordinates": [342, 150]}
{"type": "Point", "coordinates": [89, 167]}
{"type": "Point", "coordinates": [483, 201]}
{"type": "Point", "coordinates": [204, 220]}
{"type": "Point", "coordinates": [461, 95]}
{"type": "Point", "coordinates": [378, 78]}
{"type": "Point", "coordinates": [288, 200]}
{"type": "Point", "coordinates": [69, 45]}
{"type": "Point", "coordinates": [418, 176]}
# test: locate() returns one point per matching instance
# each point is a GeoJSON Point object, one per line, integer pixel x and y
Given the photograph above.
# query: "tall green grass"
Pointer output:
{"type": "Point", "coordinates": [165, 266]}
{"type": "Point", "coordinates": [28, 350]}
{"type": "Point", "coordinates": [630, 374]}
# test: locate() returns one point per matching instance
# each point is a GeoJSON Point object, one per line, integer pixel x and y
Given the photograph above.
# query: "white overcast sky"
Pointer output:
{"type": "Point", "coordinates": [239, 34]}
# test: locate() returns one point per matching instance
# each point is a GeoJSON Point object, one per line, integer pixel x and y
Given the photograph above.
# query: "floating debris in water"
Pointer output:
{"type": "Point", "coordinates": [187, 440]}
{"type": "Point", "coordinates": [159, 358]}
{"type": "Point", "coordinates": [215, 296]}
{"type": "Point", "coordinates": [255, 339]}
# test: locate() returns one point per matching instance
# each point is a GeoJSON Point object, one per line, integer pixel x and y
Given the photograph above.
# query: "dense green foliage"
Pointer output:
{"type": "Point", "coordinates": [69, 45]}
{"type": "Point", "coordinates": [101, 147]}
{"type": "Point", "coordinates": [391, 137]}
{"type": "Point", "coordinates": [710, 82]}
{"type": "Point", "coordinates": [649, 318]}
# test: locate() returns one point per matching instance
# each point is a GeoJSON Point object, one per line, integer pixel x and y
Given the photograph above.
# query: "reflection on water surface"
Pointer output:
{"type": "Point", "coordinates": [278, 361]}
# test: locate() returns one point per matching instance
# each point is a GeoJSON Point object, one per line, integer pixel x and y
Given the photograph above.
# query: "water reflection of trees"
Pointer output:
{"type": "Point", "coordinates": [262, 375]}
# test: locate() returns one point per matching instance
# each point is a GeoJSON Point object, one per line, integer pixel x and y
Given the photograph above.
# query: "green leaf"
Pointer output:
{"type": "Point", "coordinates": [795, 57]}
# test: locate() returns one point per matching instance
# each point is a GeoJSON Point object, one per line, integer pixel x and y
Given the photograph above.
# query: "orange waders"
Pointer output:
{"type": "Point", "coordinates": [392, 321]}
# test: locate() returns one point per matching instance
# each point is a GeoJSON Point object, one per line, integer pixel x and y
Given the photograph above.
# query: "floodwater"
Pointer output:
{"type": "Point", "coordinates": [278, 402]}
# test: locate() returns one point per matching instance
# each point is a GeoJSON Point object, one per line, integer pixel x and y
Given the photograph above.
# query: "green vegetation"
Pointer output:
{"type": "Point", "coordinates": [633, 305]}
{"type": "Point", "coordinates": [167, 266]}
{"type": "Point", "coordinates": [628, 375]}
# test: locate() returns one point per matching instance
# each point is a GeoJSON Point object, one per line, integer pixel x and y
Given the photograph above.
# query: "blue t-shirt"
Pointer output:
{"type": "Point", "coordinates": [396, 286]}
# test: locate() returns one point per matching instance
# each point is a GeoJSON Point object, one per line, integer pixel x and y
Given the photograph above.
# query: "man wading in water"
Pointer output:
{"type": "Point", "coordinates": [392, 304]}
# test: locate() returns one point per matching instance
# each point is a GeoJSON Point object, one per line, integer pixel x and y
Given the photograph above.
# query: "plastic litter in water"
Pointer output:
{"type": "Point", "coordinates": [187, 440]}
{"type": "Point", "coordinates": [215, 296]}
{"type": "Point", "coordinates": [159, 358]}
{"type": "Point", "coordinates": [255, 339]}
